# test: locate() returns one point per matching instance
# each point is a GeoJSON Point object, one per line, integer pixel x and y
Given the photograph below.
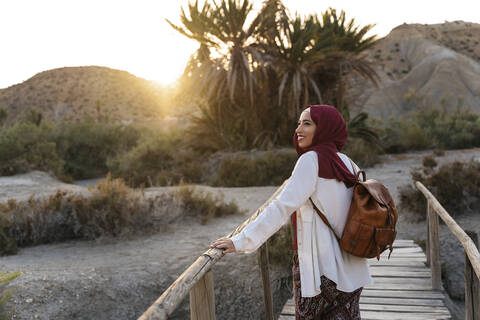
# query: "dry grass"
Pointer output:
{"type": "Point", "coordinates": [204, 204]}
{"type": "Point", "coordinates": [456, 186]}
{"type": "Point", "coordinates": [112, 209]}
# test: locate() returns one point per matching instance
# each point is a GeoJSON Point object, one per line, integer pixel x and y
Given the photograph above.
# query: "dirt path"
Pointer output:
{"type": "Point", "coordinates": [93, 279]}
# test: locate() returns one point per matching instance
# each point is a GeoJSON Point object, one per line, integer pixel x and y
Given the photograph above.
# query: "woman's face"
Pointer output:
{"type": "Point", "coordinates": [305, 130]}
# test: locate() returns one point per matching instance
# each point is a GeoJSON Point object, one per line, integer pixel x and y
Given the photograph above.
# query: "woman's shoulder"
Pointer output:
{"type": "Point", "coordinates": [346, 159]}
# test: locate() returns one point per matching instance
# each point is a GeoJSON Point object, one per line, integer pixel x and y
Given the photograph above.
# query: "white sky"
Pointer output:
{"type": "Point", "coordinates": [132, 35]}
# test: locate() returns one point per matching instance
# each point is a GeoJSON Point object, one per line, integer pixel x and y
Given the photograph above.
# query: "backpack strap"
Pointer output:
{"type": "Point", "coordinates": [357, 173]}
{"type": "Point", "coordinates": [353, 166]}
{"type": "Point", "coordinates": [325, 220]}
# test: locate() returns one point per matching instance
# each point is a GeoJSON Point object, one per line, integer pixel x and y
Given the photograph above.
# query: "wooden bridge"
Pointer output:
{"type": "Point", "coordinates": [406, 287]}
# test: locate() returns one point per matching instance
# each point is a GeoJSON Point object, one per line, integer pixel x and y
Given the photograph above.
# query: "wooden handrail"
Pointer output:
{"type": "Point", "coordinates": [467, 243]}
{"type": "Point", "coordinates": [472, 256]}
{"type": "Point", "coordinates": [166, 304]}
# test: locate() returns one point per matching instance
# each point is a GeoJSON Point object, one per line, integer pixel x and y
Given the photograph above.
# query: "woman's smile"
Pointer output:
{"type": "Point", "coordinates": [305, 130]}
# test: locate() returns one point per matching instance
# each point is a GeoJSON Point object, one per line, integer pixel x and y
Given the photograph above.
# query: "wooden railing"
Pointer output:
{"type": "Point", "coordinates": [198, 281]}
{"type": "Point", "coordinates": [472, 256]}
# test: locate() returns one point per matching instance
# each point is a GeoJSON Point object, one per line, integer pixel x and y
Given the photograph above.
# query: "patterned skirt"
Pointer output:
{"type": "Point", "coordinates": [330, 304]}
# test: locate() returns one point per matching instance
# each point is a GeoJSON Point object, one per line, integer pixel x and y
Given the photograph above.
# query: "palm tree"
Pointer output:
{"type": "Point", "coordinates": [346, 58]}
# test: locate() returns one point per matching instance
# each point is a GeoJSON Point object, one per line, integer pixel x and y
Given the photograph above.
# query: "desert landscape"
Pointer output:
{"type": "Point", "coordinates": [111, 185]}
{"type": "Point", "coordinates": [118, 279]}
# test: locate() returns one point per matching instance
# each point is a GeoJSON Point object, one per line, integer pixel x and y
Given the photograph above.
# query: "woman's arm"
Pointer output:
{"type": "Point", "coordinates": [296, 192]}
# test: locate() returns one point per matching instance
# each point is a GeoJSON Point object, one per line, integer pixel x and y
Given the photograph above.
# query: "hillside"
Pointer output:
{"type": "Point", "coordinates": [423, 66]}
{"type": "Point", "coordinates": [72, 93]}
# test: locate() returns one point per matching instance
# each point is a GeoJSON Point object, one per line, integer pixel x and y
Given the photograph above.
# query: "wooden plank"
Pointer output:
{"type": "Point", "coordinates": [399, 308]}
{"type": "Point", "coordinates": [202, 299]}
{"type": "Point", "coordinates": [400, 280]}
{"type": "Point", "coordinates": [384, 272]}
{"type": "Point", "coordinates": [402, 268]}
{"type": "Point", "coordinates": [472, 286]}
{"type": "Point", "coordinates": [400, 286]}
{"type": "Point", "coordinates": [434, 245]}
{"type": "Point", "coordinates": [267, 290]}
{"type": "Point", "coordinates": [409, 294]}
{"type": "Point", "coordinates": [414, 249]}
{"type": "Point", "coordinates": [404, 255]}
{"type": "Point", "coordinates": [386, 315]}
{"type": "Point", "coordinates": [397, 263]}
{"type": "Point", "coordinates": [402, 301]}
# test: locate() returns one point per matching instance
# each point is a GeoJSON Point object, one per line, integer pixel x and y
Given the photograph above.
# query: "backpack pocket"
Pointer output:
{"type": "Point", "coordinates": [358, 238]}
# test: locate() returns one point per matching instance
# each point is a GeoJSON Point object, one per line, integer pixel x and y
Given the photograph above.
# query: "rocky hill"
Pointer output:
{"type": "Point", "coordinates": [72, 93]}
{"type": "Point", "coordinates": [423, 66]}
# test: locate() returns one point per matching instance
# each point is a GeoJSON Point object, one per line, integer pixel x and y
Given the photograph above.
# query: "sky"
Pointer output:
{"type": "Point", "coordinates": [134, 36]}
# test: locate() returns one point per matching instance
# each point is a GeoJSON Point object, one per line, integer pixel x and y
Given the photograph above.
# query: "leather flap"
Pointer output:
{"type": "Point", "coordinates": [379, 192]}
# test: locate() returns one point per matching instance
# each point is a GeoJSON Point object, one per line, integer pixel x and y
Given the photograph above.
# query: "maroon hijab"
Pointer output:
{"type": "Point", "coordinates": [330, 137]}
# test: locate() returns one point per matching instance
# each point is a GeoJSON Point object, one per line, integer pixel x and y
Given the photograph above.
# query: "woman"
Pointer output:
{"type": "Point", "coordinates": [327, 280]}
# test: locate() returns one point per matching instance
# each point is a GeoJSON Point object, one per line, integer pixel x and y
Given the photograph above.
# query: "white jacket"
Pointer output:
{"type": "Point", "coordinates": [318, 250]}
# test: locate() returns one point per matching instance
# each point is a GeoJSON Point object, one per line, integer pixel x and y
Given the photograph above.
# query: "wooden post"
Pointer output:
{"type": "Point", "coordinates": [202, 299]}
{"type": "Point", "coordinates": [427, 243]}
{"type": "Point", "coordinates": [267, 289]}
{"type": "Point", "coordinates": [434, 248]}
{"type": "Point", "coordinates": [472, 286]}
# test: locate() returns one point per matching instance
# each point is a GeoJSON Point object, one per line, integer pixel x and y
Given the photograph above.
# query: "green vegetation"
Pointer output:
{"type": "Point", "coordinates": [67, 150]}
{"type": "Point", "coordinates": [159, 159]}
{"type": "Point", "coordinates": [456, 186]}
{"type": "Point", "coordinates": [86, 147]}
{"type": "Point", "coordinates": [264, 169]}
{"type": "Point", "coordinates": [431, 129]}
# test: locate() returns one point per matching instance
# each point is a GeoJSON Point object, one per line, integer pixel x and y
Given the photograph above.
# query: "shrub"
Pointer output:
{"type": "Point", "coordinates": [432, 128]}
{"type": "Point", "coordinates": [255, 169]}
{"type": "Point", "coordinates": [429, 162]}
{"type": "Point", "coordinates": [280, 249]}
{"type": "Point", "coordinates": [26, 146]}
{"type": "Point", "coordinates": [204, 204]}
{"type": "Point", "coordinates": [364, 154]}
{"type": "Point", "coordinates": [111, 209]}
{"type": "Point", "coordinates": [456, 186]}
{"type": "Point", "coordinates": [86, 147]}
{"type": "Point", "coordinates": [159, 159]}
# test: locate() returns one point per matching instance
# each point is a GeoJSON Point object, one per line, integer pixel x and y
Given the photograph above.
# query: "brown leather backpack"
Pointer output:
{"type": "Point", "coordinates": [370, 226]}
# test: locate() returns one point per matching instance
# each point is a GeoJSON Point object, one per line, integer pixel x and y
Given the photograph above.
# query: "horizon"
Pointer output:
{"type": "Point", "coordinates": [56, 32]}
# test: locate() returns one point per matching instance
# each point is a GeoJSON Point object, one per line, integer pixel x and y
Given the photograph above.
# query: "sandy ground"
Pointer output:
{"type": "Point", "coordinates": [116, 279]}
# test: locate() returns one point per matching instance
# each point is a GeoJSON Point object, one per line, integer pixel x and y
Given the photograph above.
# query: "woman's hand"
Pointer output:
{"type": "Point", "coordinates": [225, 243]}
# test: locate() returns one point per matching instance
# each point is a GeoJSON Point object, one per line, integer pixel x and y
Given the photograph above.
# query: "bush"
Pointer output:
{"type": "Point", "coordinates": [159, 159]}
{"type": "Point", "coordinates": [67, 150]}
{"type": "Point", "coordinates": [112, 209]}
{"type": "Point", "coordinates": [429, 162]}
{"type": "Point", "coordinates": [280, 249]}
{"type": "Point", "coordinates": [204, 204]}
{"type": "Point", "coordinates": [456, 186]}
{"type": "Point", "coordinates": [26, 146]}
{"type": "Point", "coordinates": [362, 153]}
{"type": "Point", "coordinates": [432, 128]}
{"type": "Point", "coordinates": [255, 169]}
{"type": "Point", "coordinates": [86, 147]}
